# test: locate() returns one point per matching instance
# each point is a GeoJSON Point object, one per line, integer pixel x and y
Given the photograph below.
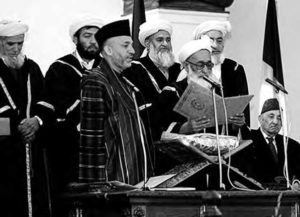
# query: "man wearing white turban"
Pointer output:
{"type": "Point", "coordinates": [195, 57]}
{"type": "Point", "coordinates": [62, 103]}
{"type": "Point", "coordinates": [157, 69]}
{"type": "Point", "coordinates": [229, 73]}
{"type": "Point", "coordinates": [21, 85]}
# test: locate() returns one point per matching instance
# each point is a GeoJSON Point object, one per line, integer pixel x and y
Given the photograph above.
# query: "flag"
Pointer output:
{"type": "Point", "coordinates": [271, 52]}
{"type": "Point", "coordinates": [272, 65]}
{"type": "Point", "coordinates": [138, 17]}
{"type": "Point", "coordinates": [272, 69]}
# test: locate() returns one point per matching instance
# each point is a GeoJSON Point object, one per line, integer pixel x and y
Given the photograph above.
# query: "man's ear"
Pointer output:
{"type": "Point", "coordinates": [260, 118]}
{"type": "Point", "coordinates": [186, 67]}
{"type": "Point", "coordinates": [108, 50]}
{"type": "Point", "coordinates": [75, 40]}
{"type": "Point", "coordinates": [147, 44]}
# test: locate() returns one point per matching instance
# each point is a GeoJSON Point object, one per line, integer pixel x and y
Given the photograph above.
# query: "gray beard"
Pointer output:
{"type": "Point", "coordinates": [14, 62]}
{"type": "Point", "coordinates": [217, 59]}
{"type": "Point", "coordinates": [166, 59]}
{"type": "Point", "coordinates": [163, 59]}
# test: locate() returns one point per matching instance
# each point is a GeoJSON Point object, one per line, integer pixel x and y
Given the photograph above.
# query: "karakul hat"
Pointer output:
{"type": "Point", "coordinates": [114, 29]}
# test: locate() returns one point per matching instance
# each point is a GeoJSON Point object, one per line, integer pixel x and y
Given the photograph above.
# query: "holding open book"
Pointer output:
{"type": "Point", "coordinates": [197, 101]}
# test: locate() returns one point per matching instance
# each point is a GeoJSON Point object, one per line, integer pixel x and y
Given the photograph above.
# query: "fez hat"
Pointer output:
{"type": "Point", "coordinates": [117, 28]}
{"type": "Point", "coordinates": [270, 105]}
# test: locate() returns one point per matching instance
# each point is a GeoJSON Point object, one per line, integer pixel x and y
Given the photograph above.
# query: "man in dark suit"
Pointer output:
{"type": "Point", "coordinates": [264, 159]}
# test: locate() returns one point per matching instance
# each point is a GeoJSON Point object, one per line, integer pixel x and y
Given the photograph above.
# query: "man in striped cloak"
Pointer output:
{"type": "Point", "coordinates": [112, 146]}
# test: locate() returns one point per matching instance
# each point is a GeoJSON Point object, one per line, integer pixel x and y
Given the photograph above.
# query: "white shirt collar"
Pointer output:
{"type": "Point", "coordinates": [265, 135]}
{"type": "Point", "coordinates": [84, 64]}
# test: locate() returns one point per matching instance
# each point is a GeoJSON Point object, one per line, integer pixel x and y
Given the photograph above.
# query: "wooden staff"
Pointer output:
{"type": "Point", "coordinates": [28, 178]}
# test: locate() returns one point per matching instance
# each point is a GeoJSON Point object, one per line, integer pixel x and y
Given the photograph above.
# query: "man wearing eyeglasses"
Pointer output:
{"type": "Point", "coordinates": [195, 57]}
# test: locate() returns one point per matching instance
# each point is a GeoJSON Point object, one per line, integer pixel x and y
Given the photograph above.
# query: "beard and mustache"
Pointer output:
{"type": "Point", "coordinates": [14, 62]}
{"type": "Point", "coordinates": [87, 53]}
{"type": "Point", "coordinates": [164, 57]}
{"type": "Point", "coordinates": [217, 58]}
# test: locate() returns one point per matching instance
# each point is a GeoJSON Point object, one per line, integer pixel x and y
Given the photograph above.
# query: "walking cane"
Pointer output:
{"type": "Point", "coordinates": [28, 178]}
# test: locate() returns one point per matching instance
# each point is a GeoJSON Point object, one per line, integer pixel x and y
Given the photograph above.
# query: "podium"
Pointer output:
{"type": "Point", "coordinates": [197, 169]}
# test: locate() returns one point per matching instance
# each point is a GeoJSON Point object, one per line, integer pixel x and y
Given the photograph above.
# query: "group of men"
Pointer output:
{"type": "Point", "coordinates": [95, 114]}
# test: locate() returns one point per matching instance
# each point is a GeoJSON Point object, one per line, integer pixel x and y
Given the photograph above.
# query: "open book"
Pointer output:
{"type": "Point", "coordinates": [199, 146]}
{"type": "Point", "coordinates": [197, 101]}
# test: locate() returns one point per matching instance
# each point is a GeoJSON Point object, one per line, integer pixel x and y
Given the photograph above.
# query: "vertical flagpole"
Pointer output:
{"type": "Point", "coordinates": [272, 69]}
{"type": "Point", "coordinates": [138, 17]}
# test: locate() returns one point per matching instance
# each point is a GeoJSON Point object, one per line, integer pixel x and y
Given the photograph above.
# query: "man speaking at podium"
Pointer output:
{"type": "Point", "coordinates": [111, 143]}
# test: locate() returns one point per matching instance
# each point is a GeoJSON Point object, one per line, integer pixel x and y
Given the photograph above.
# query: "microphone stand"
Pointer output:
{"type": "Point", "coordinates": [221, 184]}
{"type": "Point", "coordinates": [277, 88]}
{"type": "Point", "coordinates": [214, 85]}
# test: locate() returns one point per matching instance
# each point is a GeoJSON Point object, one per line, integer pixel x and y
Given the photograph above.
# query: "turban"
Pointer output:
{"type": "Point", "coordinates": [270, 105]}
{"type": "Point", "coordinates": [12, 28]}
{"type": "Point", "coordinates": [114, 29]}
{"type": "Point", "coordinates": [153, 26]}
{"type": "Point", "coordinates": [222, 26]}
{"type": "Point", "coordinates": [82, 21]}
{"type": "Point", "coordinates": [192, 47]}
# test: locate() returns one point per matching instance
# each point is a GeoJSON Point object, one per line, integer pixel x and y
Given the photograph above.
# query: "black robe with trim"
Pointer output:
{"type": "Point", "coordinates": [148, 94]}
{"type": "Point", "coordinates": [234, 82]}
{"type": "Point", "coordinates": [62, 91]}
{"type": "Point", "coordinates": [14, 91]}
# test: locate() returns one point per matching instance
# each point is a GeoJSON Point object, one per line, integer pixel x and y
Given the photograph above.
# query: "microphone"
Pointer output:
{"type": "Point", "coordinates": [131, 85]}
{"type": "Point", "coordinates": [276, 85]}
{"type": "Point", "coordinates": [212, 82]}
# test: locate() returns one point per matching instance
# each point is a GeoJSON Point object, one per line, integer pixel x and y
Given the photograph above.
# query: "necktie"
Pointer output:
{"type": "Point", "coordinates": [272, 148]}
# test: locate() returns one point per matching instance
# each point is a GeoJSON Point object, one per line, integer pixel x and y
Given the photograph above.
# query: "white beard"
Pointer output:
{"type": "Point", "coordinates": [14, 62]}
{"type": "Point", "coordinates": [199, 80]}
{"type": "Point", "coordinates": [165, 58]}
{"type": "Point", "coordinates": [217, 59]}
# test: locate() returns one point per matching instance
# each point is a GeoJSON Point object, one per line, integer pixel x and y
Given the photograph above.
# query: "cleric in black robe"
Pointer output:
{"type": "Point", "coordinates": [195, 56]}
{"type": "Point", "coordinates": [62, 103]}
{"type": "Point", "coordinates": [264, 161]}
{"type": "Point", "coordinates": [21, 85]}
{"type": "Point", "coordinates": [227, 71]}
{"type": "Point", "coordinates": [168, 120]}
{"type": "Point", "coordinates": [156, 69]}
